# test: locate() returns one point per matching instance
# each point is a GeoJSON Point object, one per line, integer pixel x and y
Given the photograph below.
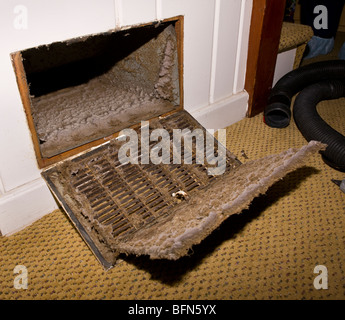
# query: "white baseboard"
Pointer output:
{"type": "Point", "coordinates": [223, 113]}
{"type": "Point", "coordinates": [24, 205]}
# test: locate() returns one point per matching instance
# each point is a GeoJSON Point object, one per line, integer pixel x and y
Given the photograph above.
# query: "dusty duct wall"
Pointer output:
{"type": "Point", "coordinates": [85, 90]}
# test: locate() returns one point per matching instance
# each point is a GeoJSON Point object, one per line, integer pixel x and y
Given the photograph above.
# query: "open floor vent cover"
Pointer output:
{"type": "Point", "coordinates": [109, 202]}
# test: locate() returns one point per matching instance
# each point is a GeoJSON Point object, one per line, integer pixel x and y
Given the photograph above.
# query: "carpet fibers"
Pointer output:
{"type": "Point", "coordinates": [267, 252]}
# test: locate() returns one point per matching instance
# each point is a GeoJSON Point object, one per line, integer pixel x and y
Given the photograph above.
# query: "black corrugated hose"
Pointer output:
{"type": "Point", "coordinates": [277, 113]}
{"type": "Point", "coordinates": [314, 82]}
{"type": "Point", "coordinates": [313, 127]}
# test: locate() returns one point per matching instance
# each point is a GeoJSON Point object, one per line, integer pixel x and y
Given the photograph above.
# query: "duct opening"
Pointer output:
{"type": "Point", "coordinates": [85, 89]}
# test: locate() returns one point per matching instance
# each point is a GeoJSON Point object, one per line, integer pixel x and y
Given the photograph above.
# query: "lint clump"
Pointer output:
{"type": "Point", "coordinates": [165, 76]}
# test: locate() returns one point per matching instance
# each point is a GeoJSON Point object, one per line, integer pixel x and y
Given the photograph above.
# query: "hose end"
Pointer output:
{"type": "Point", "coordinates": [277, 115]}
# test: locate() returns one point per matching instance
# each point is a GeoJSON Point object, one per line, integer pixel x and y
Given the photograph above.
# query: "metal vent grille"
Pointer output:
{"type": "Point", "coordinates": [108, 200]}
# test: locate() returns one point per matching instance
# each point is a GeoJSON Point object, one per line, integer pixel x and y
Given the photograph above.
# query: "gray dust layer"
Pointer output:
{"type": "Point", "coordinates": [143, 85]}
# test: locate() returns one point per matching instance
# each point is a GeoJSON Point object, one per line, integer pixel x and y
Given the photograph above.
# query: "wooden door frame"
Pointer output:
{"type": "Point", "coordinates": [266, 23]}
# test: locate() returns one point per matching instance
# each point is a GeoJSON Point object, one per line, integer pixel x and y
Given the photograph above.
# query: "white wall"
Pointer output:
{"type": "Point", "coordinates": [215, 52]}
{"type": "Point", "coordinates": [284, 64]}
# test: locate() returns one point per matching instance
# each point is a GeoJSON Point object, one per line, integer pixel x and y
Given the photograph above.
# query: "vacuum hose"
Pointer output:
{"type": "Point", "coordinates": [314, 82]}
{"type": "Point", "coordinates": [313, 127]}
{"type": "Point", "coordinates": [277, 113]}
